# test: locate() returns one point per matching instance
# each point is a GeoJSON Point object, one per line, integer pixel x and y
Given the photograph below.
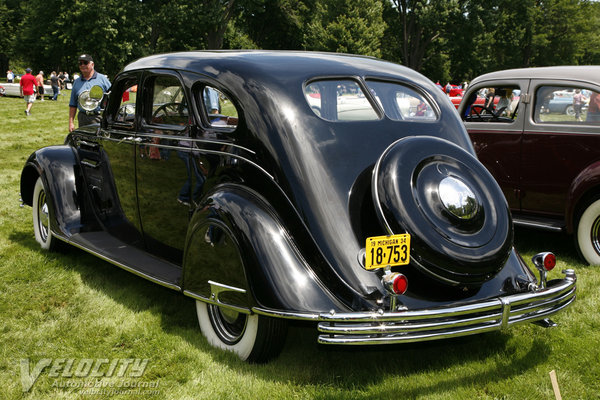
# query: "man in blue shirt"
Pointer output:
{"type": "Point", "coordinates": [89, 77]}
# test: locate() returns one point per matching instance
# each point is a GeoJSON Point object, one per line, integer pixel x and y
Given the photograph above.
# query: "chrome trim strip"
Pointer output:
{"type": "Point", "coordinates": [505, 312]}
{"type": "Point", "coordinates": [539, 225]}
{"type": "Point", "coordinates": [198, 297]}
{"type": "Point", "coordinates": [118, 264]}
{"type": "Point", "coordinates": [194, 140]}
{"type": "Point", "coordinates": [301, 316]}
{"type": "Point", "coordinates": [195, 150]}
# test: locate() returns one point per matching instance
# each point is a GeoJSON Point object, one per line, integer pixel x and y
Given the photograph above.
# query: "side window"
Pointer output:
{"type": "Point", "coordinates": [220, 112]}
{"type": "Point", "coordinates": [169, 106]}
{"type": "Point", "coordinates": [339, 100]}
{"type": "Point", "coordinates": [128, 95]}
{"type": "Point", "coordinates": [402, 103]}
{"type": "Point", "coordinates": [493, 104]}
{"type": "Point", "coordinates": [570, 105]}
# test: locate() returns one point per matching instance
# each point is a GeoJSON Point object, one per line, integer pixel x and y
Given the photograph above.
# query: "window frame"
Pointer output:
{"type": "Point", "coordinates": [149, 78]}
{"type": "Point", "coordinates": [198, 95]}
{"type": "Point", "coordinates": [115, 101]}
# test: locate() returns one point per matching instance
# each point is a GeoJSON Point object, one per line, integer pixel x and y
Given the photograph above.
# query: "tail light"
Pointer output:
{"type": "Point", "coordinates": [544, 262]}
{"type": "Point", "coordinates": [395, 283]}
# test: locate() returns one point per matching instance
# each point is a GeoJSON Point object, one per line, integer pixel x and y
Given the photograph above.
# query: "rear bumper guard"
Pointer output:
{"type": "Point", "coordinates": [366, 328]}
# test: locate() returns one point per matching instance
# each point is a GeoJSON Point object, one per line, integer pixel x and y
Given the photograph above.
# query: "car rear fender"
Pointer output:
{"type": "Point", "coordinates": [272, 272]}
{"type": "Point", "coordinates": [56, 165]}
{"type": "Point", "coordinates": [585, 185]}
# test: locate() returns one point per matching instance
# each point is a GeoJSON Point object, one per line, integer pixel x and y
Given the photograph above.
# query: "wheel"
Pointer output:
{"type": "Point", "coordinates": [587, 238]}
{"type": "Point", "coordinates": [449, 203]}
{"type": "Point", "coordinates": [570, 111]}
{"type": "Point", "coordinates": [41, 218]}
{"type": "Point", "coordinates": [253, 338]}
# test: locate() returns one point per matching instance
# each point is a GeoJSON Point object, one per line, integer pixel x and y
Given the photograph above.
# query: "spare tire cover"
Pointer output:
{"type": "Point", "coordinates": [457, 216]}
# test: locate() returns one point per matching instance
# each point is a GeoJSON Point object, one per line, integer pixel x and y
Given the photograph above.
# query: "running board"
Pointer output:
{"type": "Point", "coordinates": [129, 258]}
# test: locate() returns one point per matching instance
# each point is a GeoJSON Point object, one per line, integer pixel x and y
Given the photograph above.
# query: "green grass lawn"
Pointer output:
{"type": "Point", "coordinates": [72, 306]}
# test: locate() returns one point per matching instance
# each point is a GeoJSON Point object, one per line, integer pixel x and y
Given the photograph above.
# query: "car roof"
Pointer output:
{"type": "Point", "coordinates": [280, 65]}
{"type": "Point", "coordinates": [589, 73]}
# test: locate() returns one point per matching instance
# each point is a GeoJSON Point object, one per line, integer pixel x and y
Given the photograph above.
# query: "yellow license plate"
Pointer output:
{"type": "Point", "coordinates": [384, 251]}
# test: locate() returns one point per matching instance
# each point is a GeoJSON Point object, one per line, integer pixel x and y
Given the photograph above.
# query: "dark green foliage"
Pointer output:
{"type": "Point", "coordinates": [444, 39]}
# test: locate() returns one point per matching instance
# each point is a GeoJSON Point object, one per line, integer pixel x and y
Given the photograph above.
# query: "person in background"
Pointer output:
{"type": "Point", "coordinates": [39, 82]}
{"type": "Point", "coordinates": [593, 114]}
{"type": "Point", "coordinates": [27, 88]}
{"type": "Point", "coordinates": [10, 76]}
{"type": "Point", "coordinates": [61, 80]}
{"type": "Point", "coordinates": [89, 77]}
{"type": "Point", "coordinates": [54, 83]}
{"type": "Point", "coordinates": [578, 102]}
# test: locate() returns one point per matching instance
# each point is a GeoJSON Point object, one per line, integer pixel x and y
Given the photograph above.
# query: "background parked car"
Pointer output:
{"type": "Point", "coordinates": [562, 103]}
{"type": "Point", "coordinates": [545, 155]}
{"type": "Point", "coordinates": [13, 89]}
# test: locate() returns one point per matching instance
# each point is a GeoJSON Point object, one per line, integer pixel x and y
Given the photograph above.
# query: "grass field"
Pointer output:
{"type": "Point", "coordinates": [78, 313]}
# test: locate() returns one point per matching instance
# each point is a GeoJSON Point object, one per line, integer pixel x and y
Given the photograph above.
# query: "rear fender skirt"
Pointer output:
{"type": "Point", "coordinates": [267, 264]}
{"type": "Point", "coordinates": [57, 165]}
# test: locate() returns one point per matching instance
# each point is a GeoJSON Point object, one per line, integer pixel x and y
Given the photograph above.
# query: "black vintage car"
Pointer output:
{"type": "Point", "coordinates": [275, 186]}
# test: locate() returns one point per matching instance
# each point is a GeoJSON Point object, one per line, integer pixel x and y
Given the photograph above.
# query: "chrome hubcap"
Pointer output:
{"type": "Point", "coordinates": [457, 198]}
{"type": "Point", "coordinates": [43, 218]}
{"type": "Point", "coordinates": [228, 324]}
{"type": "Point", "coordinates": [595, 235]}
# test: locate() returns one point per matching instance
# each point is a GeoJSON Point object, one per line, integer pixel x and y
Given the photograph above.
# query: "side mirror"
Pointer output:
{"type": "Point", "coordinates": [91, 100]}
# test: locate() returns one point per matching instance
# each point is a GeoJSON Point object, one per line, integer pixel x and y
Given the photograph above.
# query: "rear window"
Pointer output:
{"type": "Point", "coordinates": [401, 102]}
{"type": "Point", "coordinates": [339, 100]}
{"type": "Point", "coordinates": [345, 100]}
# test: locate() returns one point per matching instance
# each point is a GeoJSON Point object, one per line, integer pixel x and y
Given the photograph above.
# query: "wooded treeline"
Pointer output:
{"type": "Point", "coordinates": [447, 40]}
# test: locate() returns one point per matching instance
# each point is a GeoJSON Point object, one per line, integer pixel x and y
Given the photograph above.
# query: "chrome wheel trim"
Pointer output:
{"type": "Point", "coordinates": [43, 217]}
{"type": "Point", "coordinates": [595, 235]}
{"type": "Point", "coordinates": [229, 325]}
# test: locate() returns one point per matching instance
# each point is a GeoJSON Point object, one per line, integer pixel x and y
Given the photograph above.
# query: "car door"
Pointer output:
{"type": "Point", "coordinates": [116, 196]}
{"type": "Point", "coordinates": [494, 113]}
{"type": "Point", "coordinates": [168, 176]}
{"type": "Point", "coordinates": [558, 144]}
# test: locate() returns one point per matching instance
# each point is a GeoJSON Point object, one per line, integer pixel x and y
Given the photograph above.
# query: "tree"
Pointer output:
{"type": "Point", "coordinates": [10, 15]}
{"type": "Point", "coordinates": [355, 27]}
{"type": "Point", "coordinates": [276, 24]}
{"type": "Point", "coordinates": [414, 26]}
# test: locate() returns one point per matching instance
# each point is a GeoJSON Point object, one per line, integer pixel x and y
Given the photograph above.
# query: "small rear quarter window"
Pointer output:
{"type": "Point", "coordinates": [218, 108]}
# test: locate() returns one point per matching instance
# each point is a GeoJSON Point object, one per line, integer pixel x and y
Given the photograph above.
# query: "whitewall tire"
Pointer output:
{"type": "Point", "coordinates": [41, 217]}
{"type": "Point", "coordinates": [252, 337]}
{"type": "Point", "coordinates": [588, 233]}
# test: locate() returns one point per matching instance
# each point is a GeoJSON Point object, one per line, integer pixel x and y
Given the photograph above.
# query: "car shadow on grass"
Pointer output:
{"type": "Point", "coordinates": [303, 361]}
{"type": "Point", "coordinates": [528, 240]}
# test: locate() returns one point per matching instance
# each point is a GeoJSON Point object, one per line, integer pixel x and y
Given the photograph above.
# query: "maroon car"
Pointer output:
{"type": "Point", "coordinates": [538, 133]}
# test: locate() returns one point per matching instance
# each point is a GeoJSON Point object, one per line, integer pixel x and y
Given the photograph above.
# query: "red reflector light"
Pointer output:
{"type": "Point", "coordinates": [400, 284]}
{"type": "Point", "coordinates": [549, 261]}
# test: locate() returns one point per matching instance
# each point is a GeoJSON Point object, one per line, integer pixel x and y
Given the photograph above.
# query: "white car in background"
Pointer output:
{"type": "Point", "coordinates": [12, 89]}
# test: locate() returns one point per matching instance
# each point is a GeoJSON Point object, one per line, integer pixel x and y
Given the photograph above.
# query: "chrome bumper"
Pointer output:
{"type": "Point", "coordinates": [446, 322]}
